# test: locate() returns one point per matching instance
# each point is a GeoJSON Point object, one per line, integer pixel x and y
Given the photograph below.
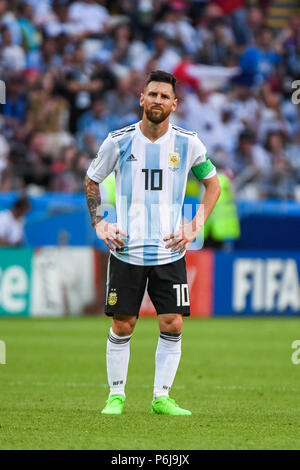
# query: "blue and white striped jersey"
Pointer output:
{"type": "Point", "coordinates": [150, 187]}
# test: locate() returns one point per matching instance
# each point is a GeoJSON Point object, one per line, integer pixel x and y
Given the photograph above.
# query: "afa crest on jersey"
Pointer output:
{"type": "Point", "coordinates": [112, 297]}
{"type": "Point", "coordinates": [174, 160]}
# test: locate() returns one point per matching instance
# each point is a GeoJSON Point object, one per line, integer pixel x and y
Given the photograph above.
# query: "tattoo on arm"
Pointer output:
{"type": "Point", "coordinates": [93, 199]}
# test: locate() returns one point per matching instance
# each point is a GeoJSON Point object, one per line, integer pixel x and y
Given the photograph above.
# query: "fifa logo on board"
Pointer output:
{"type": "Point", "coordinates": [2, 352]}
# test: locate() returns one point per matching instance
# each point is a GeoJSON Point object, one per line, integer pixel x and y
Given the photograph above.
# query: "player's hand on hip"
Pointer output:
{"type": "Point", "coordinates": [183, 238]}
{"type": "Point", "coordinates": [110, 234]}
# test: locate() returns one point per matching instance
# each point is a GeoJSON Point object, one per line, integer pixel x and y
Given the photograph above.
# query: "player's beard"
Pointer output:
{"type": "Point", "coordinates": [156, 118]}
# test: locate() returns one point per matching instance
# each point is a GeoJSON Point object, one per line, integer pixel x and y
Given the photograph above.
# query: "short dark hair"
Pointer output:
{"type": "Point", "coordinates": [4, 28]}
{"type": "Point", "coordinates": [247, 135]}
{"type": "Point", "coordinates": [22, 204]}
{"type": "Point", "coordinates": [161, 76]}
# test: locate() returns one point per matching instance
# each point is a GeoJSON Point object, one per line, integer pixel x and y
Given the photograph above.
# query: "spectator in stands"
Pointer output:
{"type": "Point", "coordinates": [31, 38]}
{"type": "Point", "coordinates": [12, 223]}
{"type": "Point", "coordinates": [261, 59]}
{"type": "Point", "coordinates": [288, 37]}
{"type": "Point", "coordinates": [78, 84]}
{"type": "Point", "coordinates": [222, 227]}
{"type": "Point", "coordinates": [15, 107]}
{"type": "Point", "coordinates": [105, 49]}
{"type": "Point", "coordinates": [288, 110]}
{"type": "Point", "coordinates": [122, 103]}
{"type": "Point", "coordinates": [90, 15]}
{"type": "Point", "coordinates": [94, 125]}
{"type": "Point", "coordinates": [61, 24]}
{"type": "Point", "coordinates": [13, 57]}
{"type": "Point", "coordinates": [293, 58]}
{"type": "Point", "coordinates": [217, 47]}
{"type": "Point", "coordinates": [293, 152]}
{"type": "Point", "coordinates": [36, 166]}
{"type": "Point", "coordinates": [250, 164]}
{"type": "Point", "coordinates": [176, 26]}
{"type": "Point", "coordinates": [49, 59]}
{"type": "Point", "coordinates": [64, 178]}
{"type": "Point", "coordinates": [271, 115]}
{"type": "Point", "coordinates": [280, 181]}
{"type": "Point", "coordinates": [124, 49]}
{"type": "Point", "coordinates": [245, 106]}
{"type": "Point", "coordinates": [8, 17]}
{"type": "Point", "coordinates": [47, 111]}
{"type": "Point", "coordinates": [82, 163]}
{"type": "Point", "coordinates": [164, 57]}
{"type": "Point", "coordinates": [198, 103]}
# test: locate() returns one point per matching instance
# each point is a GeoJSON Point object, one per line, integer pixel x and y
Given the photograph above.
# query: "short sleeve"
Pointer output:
{"type": "Point", "coordinates": [202, 167]}
{"type": "Point", "coordinates": [105, 161]}
{"type": "Point", "coordinates": [199, 152]}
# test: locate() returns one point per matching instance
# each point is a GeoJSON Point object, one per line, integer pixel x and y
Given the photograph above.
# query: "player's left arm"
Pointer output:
{"type": "Point", "coordinates": [205, 172]}
{"type": "Point", "coordinates": [188, 232]}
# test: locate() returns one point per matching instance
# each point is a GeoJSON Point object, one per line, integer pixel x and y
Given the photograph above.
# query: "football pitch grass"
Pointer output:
{"type": "Point", "coordinates": [235, 375]}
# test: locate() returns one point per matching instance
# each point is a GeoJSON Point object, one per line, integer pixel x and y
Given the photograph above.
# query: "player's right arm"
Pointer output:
{"type": "Point", "coordinates": [109, 233]}
{"type": "Point", "coordinates": [99, 169]}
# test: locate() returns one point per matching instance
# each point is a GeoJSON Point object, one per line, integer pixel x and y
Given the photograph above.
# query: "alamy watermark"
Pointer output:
{"type": "Point", "coordinates": [2, 352]}
{"type": "Point", "coordinates": [2, 92]}
{"type": "Point", "coordinates": [296, 94]}
{"type": "Point", "coordinates": [154, 220]}
{"type": "Point", "coordinates": [296, 354]}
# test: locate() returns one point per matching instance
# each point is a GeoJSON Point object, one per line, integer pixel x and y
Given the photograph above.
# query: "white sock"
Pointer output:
{"type": "Point", "coordinates": [117, 359]}
{"type": "Point", "coordinates": [167, 359]}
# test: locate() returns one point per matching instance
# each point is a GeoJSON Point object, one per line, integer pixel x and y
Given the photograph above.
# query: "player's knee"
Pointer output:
{"type": "Point", "coordinates": [123, 325]}
{"type": "Point", "coordinates": [171, 323]}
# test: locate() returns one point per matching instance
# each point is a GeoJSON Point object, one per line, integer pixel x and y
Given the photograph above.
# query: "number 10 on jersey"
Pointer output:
{"type": "Point", "coordinates": [155, 179]}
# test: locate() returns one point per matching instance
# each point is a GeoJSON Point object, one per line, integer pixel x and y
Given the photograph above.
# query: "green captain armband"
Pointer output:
{"type": "Point", "coordinates": [202, 170]}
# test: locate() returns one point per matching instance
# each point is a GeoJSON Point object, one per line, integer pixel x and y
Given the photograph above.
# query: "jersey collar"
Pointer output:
{"type": "Point", "coordinates": [157, 141]}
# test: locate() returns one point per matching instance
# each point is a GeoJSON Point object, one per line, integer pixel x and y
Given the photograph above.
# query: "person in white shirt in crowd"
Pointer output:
{"type": "Point", "coordinates": [164, 56]}
{"type": "Point", "coordinates": [250, 164]}
{"type": "Point", "coordinates": [62, 24]}
{"type": "Point", "coordinates": [197, 103]}
{"type": "Point", "coordinates": [12, 223]}
{"type": "Point", "coordinates": [124, 48]}
{"type": "Point", "coordinates": [246, 107]}
{"type": "Point", "coordinates": [13, 56]}
{"type": "Point", "coordinates": [89, 14]}
{"type": "Point", "coordinates": [178, 29]}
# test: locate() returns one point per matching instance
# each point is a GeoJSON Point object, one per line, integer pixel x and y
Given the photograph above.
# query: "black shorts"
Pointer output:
{"type": "Point", "coordinates": [126, 283]}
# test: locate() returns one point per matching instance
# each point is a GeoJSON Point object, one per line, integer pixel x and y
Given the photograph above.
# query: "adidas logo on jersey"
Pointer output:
{"type": "Point", "coordinates": [131, 158]}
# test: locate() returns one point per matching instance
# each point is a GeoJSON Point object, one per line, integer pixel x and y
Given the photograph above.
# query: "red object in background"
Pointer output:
{"type": "Point", "coordinates": [182, 75]}
{"type": "Point", "coordinates": [228, 6]}
{"type": "Point", "coordinates": [200, 273]}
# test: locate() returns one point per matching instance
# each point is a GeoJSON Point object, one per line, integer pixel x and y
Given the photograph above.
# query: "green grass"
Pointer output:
{"type": "Point", "coordinates": [235, 375]}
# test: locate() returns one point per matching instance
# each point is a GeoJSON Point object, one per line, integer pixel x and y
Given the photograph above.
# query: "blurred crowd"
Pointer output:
{"type": "Point", "coordinates": [74, 71]}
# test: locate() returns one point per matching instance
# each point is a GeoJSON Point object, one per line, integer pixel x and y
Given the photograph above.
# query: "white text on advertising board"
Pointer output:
{"type": "Point", "coordinates": [13, 289]}
{"type": "Point", "coordinates": [268, 284]}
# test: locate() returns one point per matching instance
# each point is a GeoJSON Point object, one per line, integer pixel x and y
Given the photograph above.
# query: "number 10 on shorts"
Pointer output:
{"type": "Point", "coordinates": [182, 293]}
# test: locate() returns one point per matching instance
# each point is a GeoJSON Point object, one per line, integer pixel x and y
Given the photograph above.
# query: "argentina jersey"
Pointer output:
{"type": "Point", "coordinates": [151, 181]}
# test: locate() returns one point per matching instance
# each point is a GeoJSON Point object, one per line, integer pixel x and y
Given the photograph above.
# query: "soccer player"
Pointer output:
{"type": "Point", "coordinates": [151, 161]}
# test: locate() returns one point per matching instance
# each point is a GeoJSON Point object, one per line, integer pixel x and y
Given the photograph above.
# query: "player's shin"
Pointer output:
{"type": "Point", "coordinates": [167, 359]}
{"type": "Point", "coordinates": [117, 360]}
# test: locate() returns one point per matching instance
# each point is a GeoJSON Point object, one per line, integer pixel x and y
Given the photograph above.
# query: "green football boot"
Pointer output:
{"type": "Point", "coordinates": [114, 405]}
{"type": "Point", "coordinates": [167, 406]}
